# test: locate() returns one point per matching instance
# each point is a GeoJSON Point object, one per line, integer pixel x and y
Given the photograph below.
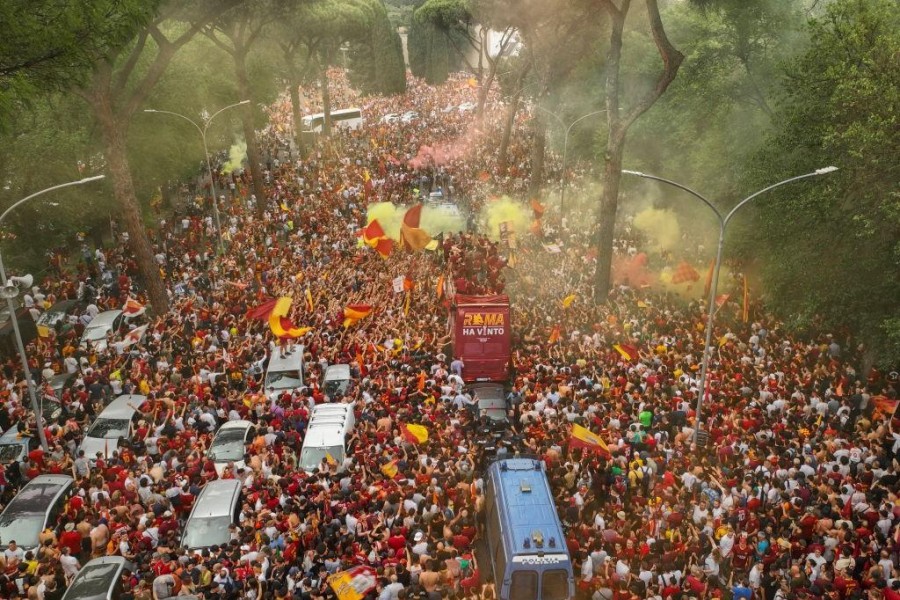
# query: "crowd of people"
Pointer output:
{"type": "Point", "coordinates": [793, 495]}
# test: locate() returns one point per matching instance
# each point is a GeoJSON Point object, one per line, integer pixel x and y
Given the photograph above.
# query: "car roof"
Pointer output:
{"type": "Point", "coordinates": [63, 305]}
{"type": "Point", "coordinates": [323, 434]}
{"type": "Point", "coordinates": [105, 318]}
{"type": "Point", "coordinates": [38, 495]}
{"type": "Point", "coordinates": [11, 436]}
{"type": "Point", "coordinates": [288, 363]}
{"type": "Point", "coordinates": [240, 424]}
{"type": "Point", "coordinates": [119, 409]}
{"type": "Point", "coordinates": [215, 496]}
{"type": "Point", "coordinates": [341, 371]}
{"type": "Point", "coordinates": [488, 391]}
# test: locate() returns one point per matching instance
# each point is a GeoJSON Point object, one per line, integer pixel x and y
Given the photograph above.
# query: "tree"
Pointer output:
{"type": "Point", "coordinates": [831, 247]}
{"type": "Point", "coordinates": [430, 55]}
{"type": "Point", "coordinates": [320, 27]}
{"type": "Point", "coordinates": [49, 46]}
{"type": "Point", "coordinates": [620, 118]}
{"type": "Point", "coordinates": [120, 84]}
{"type": "Point", "coordinates": [377, 65]}
{"type": "Point", "coordinates": [235, 32]}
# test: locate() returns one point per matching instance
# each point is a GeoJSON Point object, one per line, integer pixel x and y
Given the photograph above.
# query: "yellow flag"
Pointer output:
{"type": "Point", "coordinates": [568, 300]}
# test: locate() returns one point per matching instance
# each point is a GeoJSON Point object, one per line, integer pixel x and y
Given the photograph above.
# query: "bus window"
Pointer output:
{"type": "Point", "coordinates": [524, 585]}
{"type": "Point", "coordinates": [555, 585]}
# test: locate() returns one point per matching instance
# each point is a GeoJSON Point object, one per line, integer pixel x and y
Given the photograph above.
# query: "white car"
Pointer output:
{"type": "Point", "coordinates": [467, 106]}
{"type": "Point", "coordinates": [228, 447]}
{"type": "Point", "coordinates": [390, 118]}
{"type": "Point", "coordinates": [409, 117]}
{"type": "Point", "coordinates": [96, 330]}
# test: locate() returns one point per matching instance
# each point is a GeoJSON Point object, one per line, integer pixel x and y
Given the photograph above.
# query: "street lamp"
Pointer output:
{"type": "Point", "coordinates": [10, 291]}
{"type": "Point", "coordinates": [562, 184]}
{"type": "Point", "coordinates": [723, 223]}
{"type": "Point", "coordinates": [212, 177]}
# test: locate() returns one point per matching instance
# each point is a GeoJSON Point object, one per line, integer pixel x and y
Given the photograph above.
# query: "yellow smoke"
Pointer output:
{"type": "Point", "coordinates": [661, 227]}
{"type": "Point", "coordinates": [236, 155]}
{"type": "Point", "coordinates": [435, 219]}
{"type": "Point", "coordinates": [504, 209]}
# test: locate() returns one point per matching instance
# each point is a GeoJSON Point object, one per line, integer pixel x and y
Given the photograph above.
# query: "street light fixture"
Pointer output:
{"type": "Point", "coordinates": [212, 178]}
{"type": "Point", "coordinates": [723, 223]}
{"type": "Point", "coordinates": [9, 290]}
{"type": "Point", "coordinates": [562, 183]}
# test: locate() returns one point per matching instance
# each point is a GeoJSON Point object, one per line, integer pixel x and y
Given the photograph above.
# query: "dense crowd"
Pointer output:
{"type": "Point", "coordinates": [794, 495]}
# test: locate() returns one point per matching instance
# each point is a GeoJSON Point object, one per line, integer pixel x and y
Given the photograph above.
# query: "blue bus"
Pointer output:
{"type": "Point", "coordinates": [525, 539]}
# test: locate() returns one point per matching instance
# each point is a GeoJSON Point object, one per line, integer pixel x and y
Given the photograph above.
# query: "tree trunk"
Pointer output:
{"type": "Point", "coordinates": [606, 217]}
{"type": "Point", "coordinates": [253, 156]}
{"type": "Point", "coordinates": [123, 189]}
{"type": "Point", "coordinates": [296, 113]}
{"type": "Point", "coordinates": [539, 144]}
{"type": "Point", "coordinates": [511, 113]}
{"type": "Point", "coordinates": [326, 99]}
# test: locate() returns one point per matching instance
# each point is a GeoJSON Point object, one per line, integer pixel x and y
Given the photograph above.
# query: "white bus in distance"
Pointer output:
{"type": "Point", "coordinates": [345, 118]}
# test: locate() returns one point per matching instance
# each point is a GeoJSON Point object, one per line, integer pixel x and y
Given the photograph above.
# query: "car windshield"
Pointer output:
{"type": "Point", "coordinates": [21, 527]}
{"type": "Point", "coordinates": [108, 428]}
{"type": "Point", "coordinates": [228, 445]}
{"type": "Point", "coordinates": [50, 410]}
{"type": "Point", "coordinates": [93, 581]}
{"type": "Point", "coordinates": [282, 380]}
{"type": "Point", "coordinates": [207, 531]}
{"type": "Point", "coordinates": [336, 386]}
{"type": "Point", "coordinates": [9, 453]}
{"type": "Point", "coordinates": [311, 458]}
{"type": "Point", "coordinates": [95, 333]}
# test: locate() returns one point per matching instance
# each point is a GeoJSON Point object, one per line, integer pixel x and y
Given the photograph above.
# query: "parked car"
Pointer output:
{"type": "Point", "coordinates": [409, 116]}
{"type": "Point", "coordinates": [57, 316]}
{"type": "Point", "coordinates": [102, 324]}
{"type": "Point", "coordinates": [228, 446]}
{"type": "Point", "coordinates": [27, 328]}
{"type": "Point", "coordinates": [390, 118]}
{"type": "Point", "coordinates": [37, 504]}
{"type": "Point", "coordinates": [14, 446]}
{"type": "Point", "coordinates": [99, 579]}
{"type": "Point", "coordinates": [467, 106]}
{"type": "Point", "coordinates": [217, 507]}
{"type": "Point", "coordinates": [112, 426]}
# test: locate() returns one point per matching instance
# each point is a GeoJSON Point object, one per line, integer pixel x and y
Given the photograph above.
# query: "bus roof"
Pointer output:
{"type": "Point", "coordinates": [521, 486]}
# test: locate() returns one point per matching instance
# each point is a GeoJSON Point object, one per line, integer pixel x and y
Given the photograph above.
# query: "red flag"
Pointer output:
{"type": "Point", "coordinates": [384, 247]}
{"type": "Point", "coordinates": [554, 335]}
{"type": "Point", "coordinates": [685, 272]}
{"type": "Point", "coordinates": [261, 312]}
{"type": "Point", "coordinates": [412, 237]}
{"type": "Point", "coordinates": [722, 299]}
{"type": "Point", "coordinates": [537, 208]}
{"type": "Point", "coordinates": [372, 232]}
{"type": "Point", "coordinates": [709, 277]}
{"type": "Point", "coordinates": [745, 313]}
{"type": "Point", "coordinates": [413, 216]}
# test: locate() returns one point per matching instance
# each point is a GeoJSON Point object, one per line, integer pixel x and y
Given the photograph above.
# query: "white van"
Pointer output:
{"type": "Point", "coordinates": [284, 374]}
{"type": "Point", "coordinates": [336, 381]}
{"type": "Point", "coordinates": [327, 435]}
{"type": "Point", "coordinates": [114, 424]}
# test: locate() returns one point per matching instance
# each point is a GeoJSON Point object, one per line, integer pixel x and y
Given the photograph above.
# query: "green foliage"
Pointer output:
{"type": "Point", "coordinates": [831, 245]}
{"type": "Point", "coordinates": [430, 53]}
{"type": "Point", "coordinates": [48, 45]}
{"type": "Point", "coordinates": [377, 57]}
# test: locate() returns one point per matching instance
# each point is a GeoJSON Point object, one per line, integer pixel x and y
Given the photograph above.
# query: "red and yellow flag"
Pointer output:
{"type": "Point", "coordinates": [709, 277]}
{"type": "Point", "coordinates": [582, 437]}
{"type": "Point", "coordinates": [413, 237]}
{"type": "Point", "coordinates": [384, 246]}
{"type": "Point", "coordinates": [354, 312]}
{"type": "Point", "coordinates": [685, 272]}
{"type": "Point", "coordinates": [372, 233]}
{"type": "Point", "coordinates": [280, 325]}
{"type": "Point", "coordinates": [745, 312]}
{"type": "Point", "coordinates": [554, 335]}
{"type": "Point", "coordinates": [627, 351]}
{"type": "Point", "coordinates": [440, 287]}
{"type": "Point", "coordinates": [310, 306]}
{"type": "Point", "coordinates": [414, 434]}
{"type": "Point", "coordinates": [390, 469]}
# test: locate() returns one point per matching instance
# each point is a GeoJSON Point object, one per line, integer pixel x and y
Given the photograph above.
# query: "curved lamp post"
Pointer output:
{"type": "Point", "coordinates": [563, 180]}
{"type": "Point", "coordinates": [212, 177]}
{"type": "Point", "coordinates": [10, 291]}
{"type": "Point", "coordinates": [723, 223]}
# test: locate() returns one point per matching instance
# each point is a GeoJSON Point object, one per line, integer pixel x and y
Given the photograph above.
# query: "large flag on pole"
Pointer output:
{"type": "Point", "coordinates": [281, 326]}
{"type": "Point", "coordinates": [413, 237]}
{"type": "Point", "coordinates": [355, 312]}
{"type": "Point", "coordinates": [709, 277]}
{"type": "Point", "coordinates": [627, 351]}
{"type": "Point", "coordinates": [745, 313]}
{"type": "Point", "coordinates": [581, 437]}
{"type": "Point", "coordinates": [133, 308]}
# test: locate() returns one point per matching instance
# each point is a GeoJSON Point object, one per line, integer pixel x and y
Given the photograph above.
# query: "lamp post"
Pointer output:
{"type": "Point", "coordinates": [723, 223]}
{"type": "Point", "coordinates": [212, 177]}
{"type": "Point", "coordinates": [10, 291]}
{"type": "Point", "coordinates": [562, 183]}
